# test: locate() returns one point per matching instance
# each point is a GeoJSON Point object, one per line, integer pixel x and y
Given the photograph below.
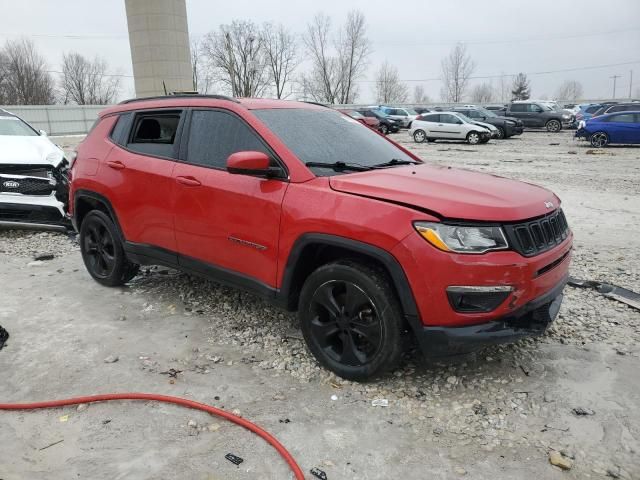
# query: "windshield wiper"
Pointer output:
{"type": "Point", "coordinates": [395, 161]}
{"type": "Point", "coordinates": [356, 167]}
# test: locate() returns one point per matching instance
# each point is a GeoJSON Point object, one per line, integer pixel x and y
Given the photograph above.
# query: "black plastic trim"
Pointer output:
{"type": "Point", "coordinates": [171, 97]}
{"type": "Point", "coordinates": [392, 265]}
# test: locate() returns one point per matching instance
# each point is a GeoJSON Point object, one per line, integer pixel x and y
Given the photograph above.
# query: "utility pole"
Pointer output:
{"type": "Point", "coordinates": [630, 82]}
{"type": "Point", "coordinates": [615, 78]}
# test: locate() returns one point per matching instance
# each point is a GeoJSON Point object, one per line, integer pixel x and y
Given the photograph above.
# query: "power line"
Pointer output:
{"type": "Point", "coordinates": [481, 77]}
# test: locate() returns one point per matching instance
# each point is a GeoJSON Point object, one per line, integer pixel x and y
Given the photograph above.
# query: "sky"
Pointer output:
{"type": "Point", "coordinates": [502, 37]}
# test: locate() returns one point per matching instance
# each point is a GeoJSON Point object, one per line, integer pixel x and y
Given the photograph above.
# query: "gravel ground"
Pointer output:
{"type": "Point", "coordinates": [571, 395]}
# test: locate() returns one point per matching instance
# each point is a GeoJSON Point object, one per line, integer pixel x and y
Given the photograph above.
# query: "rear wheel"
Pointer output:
{"type": "Point", "coordinates": [473, 138]}
{"type": "Point", "coordinates": [419, 136]}
{"type": "Point", "coordinates": [102, 251]}
{"type": "Point", "coordinates": [553, 126]}
{"type": "Point", "coordinates": [599, 140]}
{"type": "Point", "coordinates": [351, 320]}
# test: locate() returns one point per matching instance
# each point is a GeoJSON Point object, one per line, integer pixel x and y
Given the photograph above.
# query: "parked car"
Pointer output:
{"type": "Point", "coordinates": [497, 109]}
{"type": "Point", "coordinates": [619, 128]}
{"type": "Point", "coordinates": [386, 124]}
{"type": "Point", "coordinates": [317, 213]}
{"type": "Point", "coordinates": [33, 176]}
{"type": "Point", "coordinates": [537, 114]}
{"type": "Point", "coordinates": [370, 122]}
{"type": "Point", "coordinates": [421, 110]}
{"type": "Point", "coordinates": [448, 126]}
{"type": "Point", "coordinates": [585, 112]}
{"type": "Point", "coordinates": [506, 126]}
{"type": "Point", "coordinates": [616, 107]}
{"type": "Point", "coordinates": [404, 116]}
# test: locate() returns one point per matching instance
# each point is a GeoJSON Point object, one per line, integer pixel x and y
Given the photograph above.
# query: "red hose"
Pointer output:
{"type": "Point", "coordinates": [167, 399]}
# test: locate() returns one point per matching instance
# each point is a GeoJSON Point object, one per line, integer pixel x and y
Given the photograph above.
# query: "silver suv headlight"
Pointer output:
{"type": "Point", "coordinates": [462, 238]}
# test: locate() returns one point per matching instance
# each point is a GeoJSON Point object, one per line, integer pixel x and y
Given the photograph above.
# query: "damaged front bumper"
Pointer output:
{"type": "Point", "coordinates": [34, 195]}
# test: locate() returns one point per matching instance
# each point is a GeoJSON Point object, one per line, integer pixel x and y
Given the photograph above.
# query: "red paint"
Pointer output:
{"type": "Point", "coordinates": [248, 224]}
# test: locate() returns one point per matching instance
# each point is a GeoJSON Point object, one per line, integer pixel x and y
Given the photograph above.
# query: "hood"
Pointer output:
{"type": "Point", "coordinates": [22, 150]}
{"type": "Point", "coordinates": [451, 193]}
{"type": "Point", "coordinates": [502, 117]}
{"type": "Point", "coordinates": [488, 126]}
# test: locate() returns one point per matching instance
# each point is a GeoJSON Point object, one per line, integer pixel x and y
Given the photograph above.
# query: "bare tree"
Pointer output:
{"type": "Point", "coordinates": [419, 95]}
{"type": "Point", "coordinates": [521, 90]}
{"type": "Point", "coordinates": [236, 53]}
{"type": "Point", "coordinates": [24, 79]}
{"type": "Point", "coordinates": [457, 67]}
{"type": "Point", "coordinates": [353, 51]}
{"type": "Point", "coordinates": [389, 88]}
{"type": "Point", "coordinates": [569, 90]}
{"type": "Point", "coordinates": [482, 93]}
{"type": "Point", "coordinates": [203, 78]}
{"type": "Point", "coordinates": [334, 71]}
{"type": "Point", "coordinates": [281, 53]}
{"type": "Point", "coordinates": [86, 82]}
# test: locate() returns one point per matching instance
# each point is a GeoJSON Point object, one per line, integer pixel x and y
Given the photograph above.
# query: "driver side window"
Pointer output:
{"type": "Point", "coordinates": [451, 119]}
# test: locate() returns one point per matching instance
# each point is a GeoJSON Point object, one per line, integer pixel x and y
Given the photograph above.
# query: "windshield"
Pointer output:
{"type": "Point", "coordinates": [326, 136]}
{"type": "Point", "coordinates": [354, 114]}
{"type": "Point", "coordinates": [411, 111]}
{"type": "Point", "coordinates": [15, 126]}
{"type": "Point", "coordinates": [464, 118]}
{"type": "Point", "coordinates": [486, 113]}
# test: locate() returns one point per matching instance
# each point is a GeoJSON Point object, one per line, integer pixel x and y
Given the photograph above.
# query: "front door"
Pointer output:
{"type": "Point", "coordinates": [225, 222]}
{"type": "Point", "coordinates": [450, 126]}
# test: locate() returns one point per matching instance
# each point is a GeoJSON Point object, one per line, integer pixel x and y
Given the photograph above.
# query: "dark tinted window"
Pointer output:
{"type": "Point", "coordinates": [325, 136]}
{"type": "Point", "coordinates": [622, 118]}
{"type": "Point", "coordinates": [451, 119]}
{"type": "Point", "coordinates": [154, 133]}
{"type": "Point", "coordinates": [519, 107]}
{"type": "Point", "coordinates": [534, 108]}
{"type": "Point", "coordinates": [121, 129]}
{"type": "Point", "coordinates": [431, 118]}
{"type": "Point", "coordinates": [592, 109]}
{"type": "Point", "coordinates": [471, 113]}
{"type": "Point", "coordinates": [214, 135]}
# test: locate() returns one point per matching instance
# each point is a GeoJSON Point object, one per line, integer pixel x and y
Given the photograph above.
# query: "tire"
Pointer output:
{"type": "Point", "coordinates": [384, 129]}
{"type": "Point", "coordinates": [502, 134]}
{"type": "Point", "coordinates": [431, 140]}
{"type": "Point", "coordinates": [102, 251]}
{"type": "Point", "coordinates": [553, 126]}
{"type": "Point", "coordinates": [473, 138]}
{"type": "Point", "coordinates": [409, 126]}
{"type": "Point", "coordinates": [599, 139]}
{"type": "Point", "coordinates": [419, 136]}
{"type": "Point", "coordinates": [351, 320]}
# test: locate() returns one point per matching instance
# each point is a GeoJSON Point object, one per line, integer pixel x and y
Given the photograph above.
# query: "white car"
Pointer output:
{"type": "Point", "coordinates": [449, 126]}
{"type": "Point", "coordinates": [33, 176]}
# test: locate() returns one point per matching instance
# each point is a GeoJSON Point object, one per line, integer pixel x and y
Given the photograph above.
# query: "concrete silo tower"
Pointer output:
{"type": "Point", "coordinates": [159, 41]}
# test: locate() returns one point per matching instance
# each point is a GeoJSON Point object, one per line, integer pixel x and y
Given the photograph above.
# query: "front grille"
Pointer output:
{"type": "Point", "coordinates": [536, 236]}
{"type": "Point", "coordinates": [26, 186]}
{"type": "Point", "coordinates": [27, 170]}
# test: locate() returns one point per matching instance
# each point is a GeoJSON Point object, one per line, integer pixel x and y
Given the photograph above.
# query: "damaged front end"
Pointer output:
{"type": "Point", "coordinates": [35, 195]}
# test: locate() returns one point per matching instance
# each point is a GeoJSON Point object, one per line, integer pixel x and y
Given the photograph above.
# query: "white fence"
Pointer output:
{"type": "Point", "coordinates": [58, 119]}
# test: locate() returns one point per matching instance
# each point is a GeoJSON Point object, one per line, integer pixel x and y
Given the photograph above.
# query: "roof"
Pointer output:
{"type": "Point", "coordinates": [189, 100]}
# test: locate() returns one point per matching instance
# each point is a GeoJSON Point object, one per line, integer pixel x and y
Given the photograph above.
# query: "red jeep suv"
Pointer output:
{"type": "Point", "coordinates": [313, 210]}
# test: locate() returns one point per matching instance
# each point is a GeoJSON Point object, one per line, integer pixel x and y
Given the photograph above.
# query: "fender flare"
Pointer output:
{"type": "Point", "coordinates": [80, 194]}
{"type": "Point", "coordinates": [393, 267]}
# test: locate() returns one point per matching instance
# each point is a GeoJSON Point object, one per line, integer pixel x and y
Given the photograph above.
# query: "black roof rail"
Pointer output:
{"type": "Point", "coordinates": [316, 103]}
{"type": "Point", "coordinates": [180, 95]}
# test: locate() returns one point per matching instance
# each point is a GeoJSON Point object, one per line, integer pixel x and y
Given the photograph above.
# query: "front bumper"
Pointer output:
{"type": "Point", "coordinates": [32, 210]}
{"type": "Point", "coordinates": [581, 133]}
{"type": "Point", "coordinates": [512, 130]}
{"type": "Point", "coordinates": [530, 320]}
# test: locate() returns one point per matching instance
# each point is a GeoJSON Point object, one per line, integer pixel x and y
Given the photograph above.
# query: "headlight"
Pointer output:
{"type": "Point", "coordinates": [55, 157]}
{"type": "Point", "coordinates": [566, 116]}
{"type": "Point", "coordinates": [462, 239]}
{"type": "Point", "coordinates": [509, 122]}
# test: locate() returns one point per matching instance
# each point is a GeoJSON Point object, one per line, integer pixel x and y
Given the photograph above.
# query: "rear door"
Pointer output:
{"type": "Point", "coordinates": [429, 123]}
{"type": "Point", "coordinates": [519, 110]}
{"type": "Point", "coordinates": [225, 223]}
{"type": "Point", "coordinates": [138, 171]}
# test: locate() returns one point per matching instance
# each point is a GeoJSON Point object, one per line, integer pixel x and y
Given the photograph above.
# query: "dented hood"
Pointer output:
{"type": "Point", "coordinates": [451, 193]}
{"type": "Point", "coordinates": [29, 150]}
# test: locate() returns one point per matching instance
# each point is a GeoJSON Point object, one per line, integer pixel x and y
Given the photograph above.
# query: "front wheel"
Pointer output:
{"type": "Point", "coordinates": [599, 140]}
{"type": "Point", "coordinates": [102, 251]}
{"type": "Point", "coordinates": [419, 136]}
{"type": "Point", "coordinates": [473, 138]}
{"type": "Point", "coordinates": [501, 133]}
{"type": "Point", "coordinates": [351, 320]}
{"type": "Point", "coordinates": [553, 126]}
{"type": "Point", "coordinates": [384, 129]}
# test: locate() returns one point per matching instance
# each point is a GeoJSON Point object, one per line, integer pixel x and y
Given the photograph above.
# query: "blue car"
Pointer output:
{"type": "Point", "coordinates": [619, 127]}
{"type": "Point", "coordinates": [585, 112]}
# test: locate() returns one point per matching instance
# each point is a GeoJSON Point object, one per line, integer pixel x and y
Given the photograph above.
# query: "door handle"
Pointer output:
{"type": "Point", "coordinates": [115, 164]}
{"type": "Point", "coordinates": [188, 181]}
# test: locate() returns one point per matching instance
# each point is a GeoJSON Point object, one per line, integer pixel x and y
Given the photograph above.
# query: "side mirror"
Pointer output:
{"type": "Point", "coordinates": [42, 133]}
{"type": "Point", "coordinates": [249, 163]}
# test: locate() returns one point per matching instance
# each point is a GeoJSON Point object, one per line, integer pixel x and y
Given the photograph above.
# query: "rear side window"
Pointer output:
{"type": "Point", "coordinates": [121, 128]}
{"type": "Point", "coordinates": [214, 135]}
{"type": "Point", "coordinates": [519, 107]}
{"type": "Point", "coordinates": [447, 118]}
{"type": "Point", "coordinates": [622, 118]}
{"type": "Point", "coordinates": [592, 109]}
{"type": "Point", "coordinates": [431, 118]}
{"type": "Point", "coordinates": [154, 133]}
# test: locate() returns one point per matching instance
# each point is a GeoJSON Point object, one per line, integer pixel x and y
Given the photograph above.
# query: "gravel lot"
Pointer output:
{"type": "Point", "coordinates": [572, 394]}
